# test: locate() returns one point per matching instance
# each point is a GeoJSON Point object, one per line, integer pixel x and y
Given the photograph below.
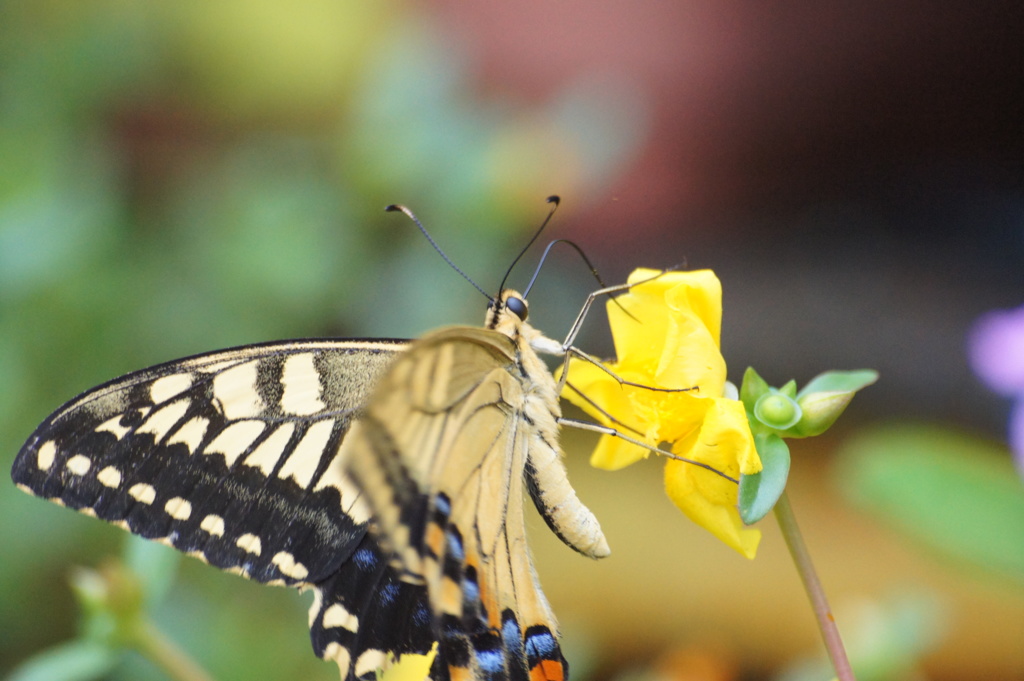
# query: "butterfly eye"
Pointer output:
{"type": "Point", "coordinates": [518, 307]}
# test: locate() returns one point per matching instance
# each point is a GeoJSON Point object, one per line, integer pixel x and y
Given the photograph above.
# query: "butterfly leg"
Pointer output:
{"type": "Point", "coordinates": [606, 430]}
{"type": "Point", "coordinates": [588, 303]}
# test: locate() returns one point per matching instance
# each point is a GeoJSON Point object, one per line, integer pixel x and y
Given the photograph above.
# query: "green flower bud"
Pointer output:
{"type": "Point", "coordinates": [111, 600]}
{"type": "Point", "coordinates": [777, 410]}
{"type": "Point", "coordinates": [90, 588]}
{"type": "Point", "coordinates": [825, 398]}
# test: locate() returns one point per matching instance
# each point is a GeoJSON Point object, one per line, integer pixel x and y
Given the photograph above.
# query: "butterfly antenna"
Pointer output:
{"type": "Point", "coordinates": [551, 199]}
{"type": "Point", "coordinates": [394, 207]}
{"type": "Point", "coordinates": [576, 247]}
{"type": "Point", "coordinates": [593, 271]}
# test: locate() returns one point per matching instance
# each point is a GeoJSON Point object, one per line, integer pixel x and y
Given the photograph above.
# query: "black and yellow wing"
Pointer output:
{"type": "Point", "coordinates": [225, 456]}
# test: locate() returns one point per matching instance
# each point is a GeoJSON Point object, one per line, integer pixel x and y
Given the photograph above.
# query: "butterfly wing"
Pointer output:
{"type": "Point", "coordinates": [226, 456]}
{"type": "Point", "coordinates": [440, 454]}
{"type": "Point", "coordinates": [243, 458]}
{"type": "Point", "coordinates": [366, 614]}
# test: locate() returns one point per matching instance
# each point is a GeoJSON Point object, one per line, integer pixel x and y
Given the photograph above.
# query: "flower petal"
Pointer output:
{"type": "Point", "coordinates": [732, 431]}
{"type": "Point", "coordinates": [1016, 435]}
{"type": "Point", "coordinates": [409, 666]}
{"type": "Point", "coordinates": [640, 321]}
{"type": "Point", "coordinates": [996, 348]}
{"type": "Point", "coordinates": [699, 291]}
{"type": "Point", "coordinates": [690, 356]}
{"type": "Point", "coordinates": [613, 453]}
{"type": "Point", "coordinates": [593, 385]}
{"type": "Point", "coordinates": [722, 521]}
{"type": "Point", "coordinates": [725, 443]}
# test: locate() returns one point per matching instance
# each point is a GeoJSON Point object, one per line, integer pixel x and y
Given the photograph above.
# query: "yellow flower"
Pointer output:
{"type": "Point", "coordinates": [409, 667]}
{"type": "Point", "coordinates": [667, 335]}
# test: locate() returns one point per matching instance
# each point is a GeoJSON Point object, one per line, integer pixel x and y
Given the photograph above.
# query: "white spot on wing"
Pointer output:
{"type": "Point", "coordinates": [178, 508]}
{"type": "Point", "coordinates": [288, 566]}
{"type": "Point", "coordinates": [303, 461]}
{"type": "Point", "coordinates": [45, 455]}
{"type": "Point", "coordinates": [143, 493]}
{"type": "Point", "coordinates": [302, 386]}
{"type": "Point", "coordinates": [314, 609]}
{"type": "Point", "coordinates": [235, 391]}
{"type": "Point", "coordinates": [370, 661]}
{"type": "Point", "coordinates": [338, 616]}
{"type": "Point", "coordinates": [235, 439]}
{"type": "Point", "coordinates": [266, 456]}
{"type": "Point", "coordinates": [250, 543]}
{"type": "Point", "coordinates": [358, 510]}
{"type": "Point", "coordinates": [350, 494]}
{"type": "Point", "coordinates": [213, 524]}
{"type": "Point", "coordinates": [162, 420]}
{"type": "Point", "coordinates": [110, 477]}
{"type": "Point", "coordinates": [167, 387]}
{"type": "Point", "coordinates": [113, 426]}
{"type": "Point", "coordinates": [79, 464]}
{"type": "Point", "coordinates": [339, 653]}
{"type": "Point", "coordinates": [191, 434]}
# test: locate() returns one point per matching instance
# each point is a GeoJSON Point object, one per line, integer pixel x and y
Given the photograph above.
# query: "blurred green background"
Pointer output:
{"type": "Point", "coordinates": [182, 177]}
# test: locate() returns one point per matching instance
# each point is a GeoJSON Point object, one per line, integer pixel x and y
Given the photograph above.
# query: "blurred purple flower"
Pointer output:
{"type": "Point", "coordinates": [997, 356]}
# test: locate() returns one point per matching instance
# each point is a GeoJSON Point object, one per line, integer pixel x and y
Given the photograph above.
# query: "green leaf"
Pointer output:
{"type": "Point", "coordinates": [753, 387]}
{"type": "Point", "coordinates": [72, 661]}
{"type": "Point", "coordinates": [789, 389]}
{"type": "Point", "coordinates": [957, 494]}
{"type": "Point", "coordinates": [759, 492]}
{"type": "Point", "coordinates": [840, 381]}
{"type": "Point", "coordinates": [826, 397]}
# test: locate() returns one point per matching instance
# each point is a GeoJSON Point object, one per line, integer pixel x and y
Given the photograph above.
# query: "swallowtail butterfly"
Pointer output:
{"type": "Point", "coordinates": [387, 476]}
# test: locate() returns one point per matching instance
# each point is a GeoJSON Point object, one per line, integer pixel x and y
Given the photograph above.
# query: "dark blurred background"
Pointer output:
{"type": "Point", "coordinates": [186, 176]}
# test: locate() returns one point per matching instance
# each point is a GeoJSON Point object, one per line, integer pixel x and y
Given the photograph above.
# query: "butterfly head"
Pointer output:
{"type": "Point", "coordinates": [507, 313]}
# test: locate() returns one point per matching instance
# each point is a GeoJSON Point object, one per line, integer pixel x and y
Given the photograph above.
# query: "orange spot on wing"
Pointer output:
{"type": "Point", "coordinates": [435, 538]}
{"type": "Point", "coordinates": [547, 670]}
{"type": "Point", "coordinates": [490, 603]}
{"type": "Point", "coordinates": [451, 597]}
{"type": "Point", "coordinates": [459, 674]}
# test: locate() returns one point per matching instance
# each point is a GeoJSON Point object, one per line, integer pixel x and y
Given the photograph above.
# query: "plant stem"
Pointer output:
{"type": "Point", "coordinates": [802, 559]}
{"type": "Point", "coordinates": [163, 652]}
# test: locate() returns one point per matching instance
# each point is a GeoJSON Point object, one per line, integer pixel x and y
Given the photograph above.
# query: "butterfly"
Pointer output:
{"type": "Point", "coordinates": [386, 476]}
